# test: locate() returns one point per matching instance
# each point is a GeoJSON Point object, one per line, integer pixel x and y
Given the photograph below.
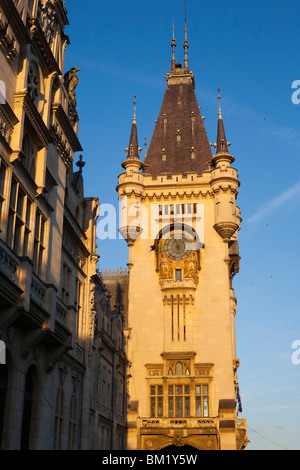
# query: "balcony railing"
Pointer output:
{"type": "Point", "coordinates": [38, 291]}
{"type": "Point", "coordinates": [8, 262]}
{"type": "Point", "coordinates": [61, 314]}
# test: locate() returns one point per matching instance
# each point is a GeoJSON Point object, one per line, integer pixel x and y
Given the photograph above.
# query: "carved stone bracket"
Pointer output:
{"type": "Point", "coordinates": [7, 122]}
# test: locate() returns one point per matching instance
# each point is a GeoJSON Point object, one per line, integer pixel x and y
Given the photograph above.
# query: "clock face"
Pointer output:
{"type": "Point", "coordinates": [177, 248]}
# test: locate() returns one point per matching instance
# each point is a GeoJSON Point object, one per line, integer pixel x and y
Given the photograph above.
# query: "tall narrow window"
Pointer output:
{"type": "Point", "coordinates": [178, 368]}
{"type": "Point", "coordinates": [65, 290]}
{"type": "Point", "coordinates": [30, 154]}
{"type": "Point", "coordinates": [72, 424]}
{"type": "Point", "coordinates": [179, 401]}
{"type": "Point", "coordinates": [27, 231]}
{"type": "Point", "coordinates": [78, 296]}
{"type": "Point", "coordinates": [109, 388]}
{"type": "Point", "coordinates": [12, 212]}
{"type": "Point", "coordinates": [59, 416]}
{"type": "Point", "coordinates": [202, 396]}
{"type": "Point", "coordinates": [39, 243]}
{"type": "Point", "coordinates": [19, 220]}
{"type": "Point", "coordinates": [121, 395]}
{"type": "Point", "coordinates": [2, 186]}
{"type": "Point", "coordinates": [156, 401]}
{"type": "Point", "coordinates": [27, 411]}
{"type": "Point", "coordinates": [3, 394]}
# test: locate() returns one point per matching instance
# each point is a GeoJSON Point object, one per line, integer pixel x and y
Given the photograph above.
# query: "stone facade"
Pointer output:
{"type": "Point", "coordinates": [63, 385]}
{"type": "Point", "coordinates": [181, 223]}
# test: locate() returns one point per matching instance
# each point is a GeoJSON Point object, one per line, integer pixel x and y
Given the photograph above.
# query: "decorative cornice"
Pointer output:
{"type": "Point", "coordinates": [61, 146]}
{"type": "Point", "coordinates": [8, 120]}
{"type": "Point", "coordinates": [23, 99]}
{"type": "Point", "coordinates": [114, 273]}
{"type": "Point", "coordinates": [184, 193]}
{"type": "Point", "coordinates": [16, 22]}
{"type": "Point", "coordinates": [64, 122]}
{"type": "Point", "coordinates": [62, 12]}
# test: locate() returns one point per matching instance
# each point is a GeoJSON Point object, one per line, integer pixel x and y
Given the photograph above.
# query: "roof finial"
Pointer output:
{"type": "Point", "coordinates": [173, 45]}
{"type": "Point", "coordinates": [222, 144]}
{"type": "Point", "coordinates": [219, 98]}
{"type": "Point", "coordinates": [80, 164]}
{"type": "Point", "coordinates": [134, 109]}
{"type": "Point", "coordinates": [186, 44]}
{"type": "Point", "coordinates": [145, 147]}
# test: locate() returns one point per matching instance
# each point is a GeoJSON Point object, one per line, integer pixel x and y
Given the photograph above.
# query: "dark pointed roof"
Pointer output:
{"type": "Point", "coordinates": [133, 150]}
{"type": "Point", "coordinates": [179, 143]}
{"type": "Point", "coordinates": [222, 144]}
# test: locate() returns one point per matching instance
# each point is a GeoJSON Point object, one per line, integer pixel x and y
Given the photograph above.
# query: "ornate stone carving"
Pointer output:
{"type": "Point", "coordinates": [46, 16]}
{"type": "Point", "coordinates": [226, 230]}
{"type": "Point", "coordinates": [179, 440]}
{"type": "Point", "coordinates": [191, 268]}
{"type": "Point", "coordinates": [7, 122]}
{"type": "Point", "coordinates": [166, 270]}
{"type": "Point", "coordinates": [71, 81]}
{"type": "Point", "coordinates": [33, 83]}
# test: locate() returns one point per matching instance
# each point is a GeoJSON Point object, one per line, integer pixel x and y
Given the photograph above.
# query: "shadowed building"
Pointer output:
{"type": "Point", "coordinates": [63, 383]}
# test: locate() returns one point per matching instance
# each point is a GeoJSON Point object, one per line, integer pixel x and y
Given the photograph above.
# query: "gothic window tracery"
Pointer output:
{"type": "Point", "coordinates": [47, 19]}
{"type": "Point", "coordinates": [29, 411]}
{"type": "Point", "coordinates": [183, 392]}
{"type": "Point", "coordinates": [59, 417]}
{"type": "Point", "coordinates": [30, 154]}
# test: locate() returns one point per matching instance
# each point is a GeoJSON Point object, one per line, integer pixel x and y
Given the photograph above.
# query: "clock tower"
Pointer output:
{"type": "Point", "coordinates": [180, 220]}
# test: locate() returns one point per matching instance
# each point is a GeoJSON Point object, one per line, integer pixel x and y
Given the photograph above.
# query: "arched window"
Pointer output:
{"type": "Point", "coordinates": [178, 369]}
{"type": "Point", "coordinates": [28, 404]}
{"type": "Point", "coordinates": [59, 416]}
{"type": "Point", "coordinates": [30, 154]}
{"type": "Point", "coordinates": [3, 395]}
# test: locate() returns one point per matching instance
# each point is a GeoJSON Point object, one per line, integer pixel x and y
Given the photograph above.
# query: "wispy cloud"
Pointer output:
{"type": "Point", "coordinates": [274, 204]}
{"type": "Point", "coordinates": [264, 122]}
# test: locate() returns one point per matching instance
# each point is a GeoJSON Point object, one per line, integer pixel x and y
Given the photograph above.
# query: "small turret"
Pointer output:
{"type": "Point", "coordinates": [130, 187]}
{"type": "Point", "coordinates": [133, 151]}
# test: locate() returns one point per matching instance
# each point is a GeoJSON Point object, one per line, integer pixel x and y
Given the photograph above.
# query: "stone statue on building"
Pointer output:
{"type": "Point", "coordinates": [71, 81]}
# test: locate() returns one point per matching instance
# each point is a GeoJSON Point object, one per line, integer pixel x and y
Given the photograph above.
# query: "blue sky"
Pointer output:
{"type": "Point", "coordinates": [250, 49]}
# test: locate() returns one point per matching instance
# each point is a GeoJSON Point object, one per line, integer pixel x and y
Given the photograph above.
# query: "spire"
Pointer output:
{"type": "Point", "coordinates": [222, 144]}
{"type": "Point", "coordinates": [134, 110]}
{"type": "Point", "coordinates": [80, 164]}
{"type": "Point", "coordinates": [185, 44]}
{"type": "Point", "coordinates": [133, 151]}
{"type": "Point", "coordinates": [173, 45]}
